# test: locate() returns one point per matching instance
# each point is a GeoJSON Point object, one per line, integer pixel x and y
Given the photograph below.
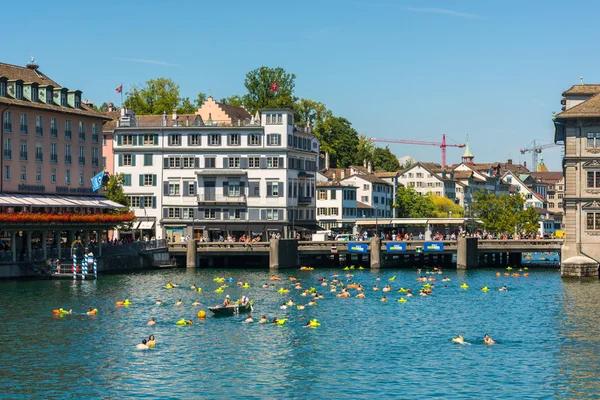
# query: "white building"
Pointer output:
{"type": "Point", "coordinates": [212, 180]}
{"type": "Point", "coordinates": [532, 198]}
{"type": "Point", "coordinates": [336, 206]}
{"type": "Point", "coordinates": [423, 179]}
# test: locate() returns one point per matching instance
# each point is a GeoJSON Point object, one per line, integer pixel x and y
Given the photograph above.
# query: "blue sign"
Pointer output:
{"type": "Point", "coordinates": [354, 247]}
{"type": "Point", "coordinates": [97, 181]}
{"type": "Point", "coordinates": [433, 246]}
{"type": "Point", "coordinates": [395, 247]}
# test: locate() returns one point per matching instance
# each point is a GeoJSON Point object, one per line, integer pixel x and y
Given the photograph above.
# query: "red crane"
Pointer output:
{"type": "Point", "coordinates": [441, 144]}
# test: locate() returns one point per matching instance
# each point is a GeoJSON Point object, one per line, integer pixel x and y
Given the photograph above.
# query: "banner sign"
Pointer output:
{"type": "Point", "coordinates": [354, 247]}
{"type": "Point", "coordinates": [433, 246]}
{"type": "Point", "coordinates": [395, 247]}
{"type": "Point", "coordinates": [97, 181]}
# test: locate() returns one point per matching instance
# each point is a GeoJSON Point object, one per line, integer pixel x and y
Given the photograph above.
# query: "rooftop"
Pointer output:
{"type": "Point", "coordinates": [582, 89]}
{"type": "Point", "coordinates": [27, 75]}
{"type": "Point", "coordinates": [590, 108]}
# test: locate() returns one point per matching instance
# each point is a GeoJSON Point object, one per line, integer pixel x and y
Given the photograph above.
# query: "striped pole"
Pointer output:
{"type": "Point", "coordinates": [84, 266]}
{"type": "Point", "coordinates": [95, 269]}
{"type": "Point", "coordinates": [74, 266]}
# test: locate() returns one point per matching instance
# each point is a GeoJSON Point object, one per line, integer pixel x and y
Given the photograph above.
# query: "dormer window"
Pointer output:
{"type": "Point", "coordinates": [19, 91]}
{"type": "Point", "coordinates": [34, 94]}
{"type": "Point", "coordinates": [63, 99]}
{"type": "Point", "coordinates": [77, 101]}
{"type": "Point", "coordinates": [3, 88]}
{"type": "Point", "coordinates": [49, 96]}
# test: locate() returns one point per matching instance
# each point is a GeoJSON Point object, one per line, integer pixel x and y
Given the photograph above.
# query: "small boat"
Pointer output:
{"type": "Point", "coordinates": [232, 309]}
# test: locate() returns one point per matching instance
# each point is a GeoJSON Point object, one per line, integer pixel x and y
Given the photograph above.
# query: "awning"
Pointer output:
{"type": "Point", "coordinates": [410, 221]}
{"type": "Point", "coordinates": [44, 200]}
{"type": "Point", "coordinates": [369, 222]}
{"type": "Point", "coordinates": [135, 225]}
{"type": "Point", "coordinates": [309, 227]}
{"type": "Point", "coordinates": [446, 221]}
{"type": "Point", "coordinates": [146, 225]}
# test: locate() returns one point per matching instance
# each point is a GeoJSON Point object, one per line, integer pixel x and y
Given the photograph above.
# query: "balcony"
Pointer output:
{"type": "Point", "coordinates": [68, 160]}
{"type": "Point", "coordinates": [8, 154]}
{"type": "Point", "coordinates": [23, 129]}
{"type": "Point", "coordinates": [215, 198]}
{"type": "Point", "coordinates": [94, 162]}
{"type": "Point", "coordinates": [8, 127]}
{"type": "Point", "coordinates": [39, 157]}
{"type": "Point", "coordinates": [81, 160]}
{"type": "Point", "coordinates": [39, 130]}
{"type": "Point", "coordinates": [54, 158]}
{"type": "Point", "coordinates": [53, 132]}
{"type": "Point", "coordinates": [23, 155]}
{"type": "Point", "coordinates": [68, 134]}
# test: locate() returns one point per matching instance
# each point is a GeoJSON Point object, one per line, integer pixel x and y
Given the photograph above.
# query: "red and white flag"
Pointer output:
{"type": "Point", "coordinates": [275, 86]}
{"type": "Point", "coordinates": [119, 89]}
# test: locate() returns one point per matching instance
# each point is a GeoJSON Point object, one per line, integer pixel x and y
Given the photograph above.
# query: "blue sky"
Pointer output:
{"type": "Point", "coordinates": [402, 69]}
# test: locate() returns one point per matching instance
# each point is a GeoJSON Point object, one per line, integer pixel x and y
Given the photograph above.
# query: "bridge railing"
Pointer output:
{"type": "Point", "coordinates": [109, 250]}
{"type": "Point", "coordinates": [534, 243]}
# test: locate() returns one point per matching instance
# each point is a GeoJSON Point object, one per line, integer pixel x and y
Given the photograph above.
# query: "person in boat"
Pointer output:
{"type": "Point", "coordinates": [226, 302]}
{"type": "Point", "coordinates": [143, 345]}
{"type": "Point", "coordinates": [151, 322]}
{"type": "Point", "coordinates": [263, 319]}
{"type": "Point", "coordinates": [249, 319]}
{"type": "Point", "coordinates": [488, 340]}
{"type": "Point", "coordinates": [151, 341]}
{"type": "Point", "coordinates": [384, 299]}
{"type": "Point", "coordinates": [179, 302]}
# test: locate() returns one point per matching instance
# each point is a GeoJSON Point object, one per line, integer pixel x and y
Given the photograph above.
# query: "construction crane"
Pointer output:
{"type": "Point", "coordinates": [441, 144]}
{"type": "Point", "coordinates": [536, 149]}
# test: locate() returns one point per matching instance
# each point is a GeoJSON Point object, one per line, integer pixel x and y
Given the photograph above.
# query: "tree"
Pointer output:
{"type": "Point", "coordinates": [443, 206]}
{"type": "Point", "coordinates": [259, 83]}
{"type": "Point", "coordinates": [340, 140]}
{"type": "Point", "coordinates": [113, 190]}
{"type": "Point", "coordinates": [311, 111]}
{"type": "Point", "coordinates": [505, 214]}
{"type": "Point", "coordinates": [200, 99]}
{"type": "Point", "coordinates": [384, 159]}
{"type": "Point", "coordinates": [364, 151]}
{"type": "Point", "coordinates": [411, 204]}
{"type": "Point", "coordinates": [528, 221]}
{"type": "Point", "coordinates": [234, 100]}
{"type": "Point", "coordinates": [154, 97]}
{"type": "Point", "coordinates": [186, 107]}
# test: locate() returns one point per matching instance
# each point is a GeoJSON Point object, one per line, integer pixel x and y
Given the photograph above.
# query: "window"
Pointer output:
{"type": "Point", "coordinates": [233, 189]}
{"type": "Point", "coordinates": [273, 139]}
{"type": "Point", "coordinates": [333, 194]}
{"type": "Point", "coordinates": [593, 179]}
{"type": "Point", "coordinates": [126, 179]}
{"type": "Point", "coordinates": [322, 195]}
{"type": "Point", "coordinates": [103, 140]}
{"type": "Point", "coordinates": [81, 131]}
{"type": "Point", "coordinates": [147, 160]}
{"type": "Point", "coordinates": [214, 140]}
{"type": "Point", "coordinates": [148, 180]}
{"type": "Point", "coordinates": [68, 176]}
{"type": "Point", "coordinates": [7, 148]}
{"type": "Point", "coordinates": [67, 154]}
{"type": "Point", "coordinates": [23, 173]}
{"type": "Point", "coordinates": [275, 189]}
{"type": "Point", "coordinates": [53, 175]}
{"type": "Point", "coordinates": [81, 178]}
{"type": "Point", "coordinates": [234, 139]}
{"type": "Point", "coordinates": [234, 162]}
{"type": "Point", "coordinates": [551, 196]}
{"type": "Point", "coordinates": [275, 119]}
{"type": "Point", "coordinates": [272, 162]}
{"type": "Point", "coordinates": [366, 187]}
{"type": "Point", "coordinates": [23, 150]}
{"type": "Point", "coordinates": [77, 101]}
{"type": "Point", "coordinates": [81, 155]}
{"type": "Point", "coordinates": [235, 213]}
{"type": "Point", "coordinates": [334, 211]}
{"type": "Point", "coordinates": [174, 162]}
{"type": "Point", "coordinates": [174, 140]}
{"type": "Point", "coordinates": [174, 212]}
{"type": "Point", "coordinates": [49, 96]}
{"type": "Point", "coordinates": [209, 213]}
{"type": "Point", "coordinates": [94, 133]}
{"type": "Point", "coordinates": [253, 162]}
{"type": "Point", "coordinates": [191, 188]}
{"type": "Point", "coordinates": [7, 121]}
{"type": "Point", "coordinates": [39, 152]}
{"type": "Point", "coordinates": [3, 88]}
{"type": "Point", "coordinates": [7, 172]}
{"type": "Point", "coordinates": [272, 214]}
{"type": "Point", "coordinates": [149, 202]}
{"type": "Point", "coordinates": [173, 189]}
{"type": "Point", "coordinates": [68, 131]}
{"type": "Point", "coordinates": [254, 140]}
{"type": "Point", "coordinates": [194, 140]}
{"type": "Point", "coordinates": [19, 91]}
{"type": "Point", "coordinates": [419, 174]}
{"type": "Point", "coordinates": [364, 199]}
{"type": "Point", "coordinates": [39, 125]}
{"type": "Point", "coordinates": [23, 124]}
{"type": "Point", "coordinates": [127, 140]}
{"type": "Point", "coordinates": [34, 94]}
{"type": "Point", "coordinates": [95, 158]}
{"type": "Point", "coordinates": [550, 205]}
{"type": "Point", "coordinates": [560, 196]}
{"type": "Point", "coordinates": [593, 139]}
{"type": "Point", "coordinates": [593, 220]}
{"type": "Point", "coordinates": [103, 162]}
{"type": "Point", "coordinates": [134, 201]}
{"type": "Point", "coordinates": [150, 140]}
{"type": "Point", "coordinates": [63, 99]}
{"type": "Point", "coordinates": [53, 127]}
{"type": "Point", "coordinates": [188, 162]}
{"type": "Point", "coordinates": [188, 213]}
{"type": "Point", "coordinates": [209, 162]}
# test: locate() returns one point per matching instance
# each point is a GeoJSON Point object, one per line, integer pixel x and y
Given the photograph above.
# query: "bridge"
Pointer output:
{"type": "Point", "coordinates": [469, 252]}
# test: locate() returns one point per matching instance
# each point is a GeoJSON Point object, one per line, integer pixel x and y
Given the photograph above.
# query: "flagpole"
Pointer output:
{"type": "Point", "coordinates": [121, 94]}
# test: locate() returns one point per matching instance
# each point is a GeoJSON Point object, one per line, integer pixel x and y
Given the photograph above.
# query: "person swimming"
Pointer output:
{"type": "Point", "coordinates": [143, 345]}
{"type": "Point", "coordinates": [179, 302]}
{"type": "Point", "coordinates": [312, 302]}
{"type": "Point", "coordinates": [274, 320]}
{"type": "Point", "coordinates": [263, 319]}
{"type": "Point", "coordinates": [151, 341]}
{"type": "Point", "coordinates": [488, 340]}
{"type": "Point", "coordinates": [196, 303]}
{"type": "Point", "coordinates": [383, 299]}
{"type": "Point", "coordinates": [503, 289]}
{"type": "Point", "coordinates": [378, 278]}
{"type": "Point", "coordinates": [193, 287]}
{"type": "Point", "coordinates": [92, 311]}
{"type": "Point", "coordinates": [249, 319]}
{"type": "Point", "coordinates": [159, 302]}
{"type": "Point", "coordinates": [283, 306]}
{"type": "Point", "coordinates": [151, 322]}
{"type": "Point", "coordinates": [301, 307]}
{"type": "Point", "coordinates": [265, 285]}
{"type": "Point", "coordinates": [459, 339]}
{"type": "Point", "coordinates": [375, 287]}
{"type": "Point", "coordinates": [240, 283]}
{"type": "Point", "coordinates": [361, 295]}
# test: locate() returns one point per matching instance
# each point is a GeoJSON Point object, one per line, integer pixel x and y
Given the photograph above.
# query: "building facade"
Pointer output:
{"type": "Point", "coordinates": [336, 206]}
{"type": "Point", "coordinates": [209, 181]}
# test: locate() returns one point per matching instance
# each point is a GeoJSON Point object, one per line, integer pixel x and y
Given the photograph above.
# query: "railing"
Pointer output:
{"type": "Point", "coordinates": [23, 129]}
{"type": "Point", "coordinates": [67, 159]}
{"type": "Point", "coordinates": [220, 198]}
{"type": "Point", "coordinates": [39, 131]}
{"type": "Point", "coordinates": [82, 136]}
{"type": "Point", "coordinates": [8, 154]}
{"type": "Point", "coordinates": [53, 158]}
{"type": "Point", "coordinates": [23, 155]}
{"type": "Point", "coordinates": [81, 160]}
{"type": "Point", "coordinates": [7, 127]}
{"type": "Point", "coordinates": [304, 200]}
{"type": "Point", "coordinates": [136, 247]}
{"type": "Point", "coordinates": [53, 133]}
{"type": "Point", "coordinates": [39, 157]}
{"type": "Point", "coordinates": [68, 134]}
{"type": "Point", "coordinates": [94, 162]}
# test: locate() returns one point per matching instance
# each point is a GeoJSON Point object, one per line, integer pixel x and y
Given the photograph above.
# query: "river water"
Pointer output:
{"type": "Point", "coordinates": [546, 331]}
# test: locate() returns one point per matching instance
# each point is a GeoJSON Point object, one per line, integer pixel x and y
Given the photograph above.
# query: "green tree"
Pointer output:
{"type": "Point", "coordinates": [186, 107]}
{"type": "Point", "coordinates": [200, 99]}
{"type": "Point", "coordinates": [113, 190]}
{"type": "Point", "coordinates": [411, 204]}
{"type": "Point", "coordinates": [154, 97]}
{"type": "Point", "coordinates": [443, 206]}
{"type": "Point", "coordinates": [384, 159]}
{"type": "Point", "coordinates": [234, 100]}
{"type": "Point", "coordinates": [340, 140]}
{"type": "Point", "coordinates": [311, 111]}
{"type": "Point", "coordinates": [364, 150]}
{"type": "Point", "coordinates": [527, 221]}
{"type": "Point", "coordinates": [258, 83]}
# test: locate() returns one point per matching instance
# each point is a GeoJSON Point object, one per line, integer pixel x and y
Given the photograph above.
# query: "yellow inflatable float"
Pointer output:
{"type": "Point", "coordinates": [485, 289]}
{"type": "Point", "coordinates": [282, 290]}
{"type": "Point", "coordinates": [402, 300]}
{"type": "Point", "coordinates": [219, 290]}
{"type": "Point", "coordinates": [464, 286]}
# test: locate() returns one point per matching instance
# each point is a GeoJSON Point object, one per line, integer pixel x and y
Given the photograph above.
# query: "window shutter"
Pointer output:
{"type": "Point", "coordinates": [165, 212]}
{"type": "Point", "coordinates": [263, 214]}
{"type": "Point", "coordinates": [166, 163]}
{"type": "Point", "coordinates": [197, 162]}
{"type": "Point", "coordinates": [279, 139]}
{"type": "Point", "coordinates": [290, 141]}
{"type": "Point", "coordinates": [225, 188]}
{"type": "Point", "coordinates": [243, 215]}
{"type": "Point", "coordinates": [218, 213]}
{"type": "Point", "coordinates": [153, 201]}
{"type": "Point", "coordinates": [225, 162]}
{"type": "Point", "coordinates": [263, 162]}
{"type": "Point", "coordinates": [165, 188]}
{"type": "Point", "coordinates": [244, 162]}
{"type": "Point", "coordinates": [201, 213]}
{"type": "Point", "coordinates": [141, 179]}
{"type": "Point", "coordinates": [269, 188]}
{"type": "Point", "coordinates": [133, 157]}
{"type": "Point", "coordinates": [281, 186]}
{"type": "Point", "coordinates": [120, 160]}
{"type": "Point", "coordinates": [186, 188]}
{"type": "Point", "coordinates": [280, 214]}
{"type": "Point", "coordinates": [228, 140]}
{"type": "Point", "coordinates": [195, 188]}
{"type": "Point", "coordinates": [180, 212]}
{"type": "Point", "coordinates": [155, 139]}
{"type": "Point", "coordinates": [142, 202]}
{"type": "Point", "coordinates": [225, 213]}
{"type": "Point", "coordinates": [281, 165]}
{"type": "Point", "coordinates": [181, 163]}
{"type": "Point", "coordinates": [154, 180]}
{"type": "Point", "coordinates": [120, 140]}
{"type": "Point", "coordinates": [140, 140]}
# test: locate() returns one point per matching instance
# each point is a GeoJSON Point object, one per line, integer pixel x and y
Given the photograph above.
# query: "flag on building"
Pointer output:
{"type": "Point", "coordinates": [275, 86]}
{"type": "Point", "coordinates": [97, 181]}
{"type": "Point", "coordinates": [119, 89]}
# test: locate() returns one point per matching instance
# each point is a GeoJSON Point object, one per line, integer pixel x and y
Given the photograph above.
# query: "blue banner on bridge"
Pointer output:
{"type": "Point", "coordinates": [354, 247]}
{"type": "Point", "coordinates": [433, 246]}
{"type": "Point", "coordinates": [395, 247]}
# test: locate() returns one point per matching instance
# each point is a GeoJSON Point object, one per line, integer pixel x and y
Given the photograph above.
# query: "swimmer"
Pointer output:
{"type": "Point", "coordinates": [361, 295]}
{"type": "Point", "coordinates": [159, 302]}
{"type": "Point", "coordinates": [263, 319]}
{"type": "Point", "coordinates": [308, 325]}
{"type": "Point", "coordinates": [193, 287]}
{"type": "Point", "coordinates": [274, 321]}
{"type": "Point", "coordinates": [179, 302]}
{"type": "Point", "coordinates": [459, 339]}
{"type": "Point", "coordinates": [92, 312]}
{"type": "Point", "coordinates": [378, 278]}
{"type": "Point", "coordinates": [375, 288]}
{"type": "Point", "coordinates": [151, 341]}
{"type": "Point", "coordinates": [312, 302]}
{"type": "Point", "coordinates": [266, 285]}
{"type": "Point", "coordinates": [320, 296]}
{"type": "Point", "coordinates": [196, 303]}
{"type": "Point", "coordinates": [240, 283]}
{"type": "Point", "coordinates": [249, 319]}
{"type": "Point", "coordinates": [143, 345]}
{"type": "Point", "coordinates": [383, 299]}
{"type": "Point", "coordinates": [503, 289]}
{"type": "Point", "coordinates": [283, 307]}
{"type": "Point", "coordinates": [418, 271]}
{"type": "Point", "coordinates": [274, 278]}
{"type": "Point", "coordinates": [301, 307]}
{"type": "Point", "coordinates": [290, 303]}
{"type": "Point", "coordinates": [151, 322]}
{"type": "Point", "coordinates": [488, 340]}
{"type": "Point", "coordinates": [189, 322]}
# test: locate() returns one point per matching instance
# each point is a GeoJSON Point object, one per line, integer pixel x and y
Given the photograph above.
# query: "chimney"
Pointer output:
{"type": "Point", "coordinates": [343, 174]}
{"type": "Point", "coordinates": [525, 164]}
{"type": "Point", "coordinates": [111, 107]}
{"type": "Point", "coordinates": [509, 162]}
{"type": "Point", "coordinates": [370, 167]}
{"type": "Point", "coordinates": [365, 163]}
{"type": "Point", "coordinates": [326, 160]}
{"type": "Point", "coordinates": [164, 118]}
{"type": "Point", "coordinates": [187, 120]}
{"type": "Point", "coordinates": [174, 114]}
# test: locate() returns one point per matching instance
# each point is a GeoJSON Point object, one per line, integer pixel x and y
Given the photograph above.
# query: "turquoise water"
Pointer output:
{"type": "Point", "coordinates": [546, 329]}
